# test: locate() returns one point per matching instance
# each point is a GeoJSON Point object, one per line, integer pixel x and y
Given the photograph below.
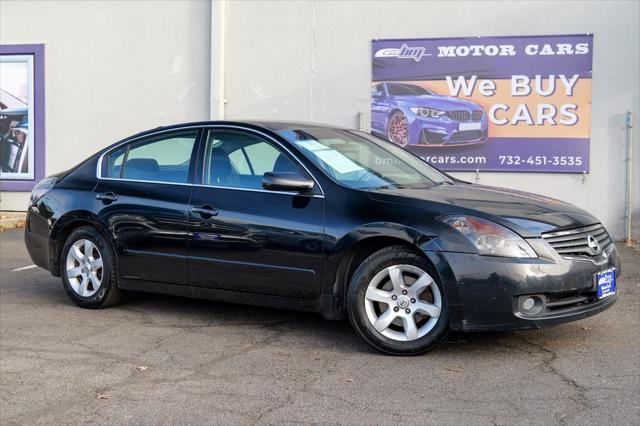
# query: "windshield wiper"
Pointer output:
{"type": "Point", "coordinates": [389, 186]}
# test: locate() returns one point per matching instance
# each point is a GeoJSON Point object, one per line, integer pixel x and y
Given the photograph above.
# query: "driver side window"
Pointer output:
{"type": "Point", "coordinates": [239, 160]}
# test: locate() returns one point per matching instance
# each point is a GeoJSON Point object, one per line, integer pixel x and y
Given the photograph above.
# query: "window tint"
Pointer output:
{"type": "Point", "coordinates": [239, 160]}
{"type": "Point", "coordinates": [407, 90]}
{"type": "Point", "coordinates": [113, 162]}
{"type": "Point", "coordinates": [263, 157]}
{"type": "Point", "coordinates": [161, 159]}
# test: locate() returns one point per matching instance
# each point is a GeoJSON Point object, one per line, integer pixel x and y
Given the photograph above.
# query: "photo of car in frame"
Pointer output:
{"type": "Point", "coordinates": [14, 128]}
{"type": "Point", "coordinates": [409, 114]}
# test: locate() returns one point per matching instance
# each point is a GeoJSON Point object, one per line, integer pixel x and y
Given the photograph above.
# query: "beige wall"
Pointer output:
{"type": "Point", "coordinates": [311, 61]}
{"type": "Point", "coordinates": [112, 68]}
{"type": "Point", "coordinates": [115, 68]}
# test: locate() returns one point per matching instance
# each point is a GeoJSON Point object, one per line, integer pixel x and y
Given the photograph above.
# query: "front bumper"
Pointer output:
{"type": "Point", "coordinates": [483, 291]}
{"type": "Point", "coordinates": [445, 131]}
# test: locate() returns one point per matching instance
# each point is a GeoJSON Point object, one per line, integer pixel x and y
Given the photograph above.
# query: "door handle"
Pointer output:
{"type": "Point", "coordinates": [107, 197]}
{"type": "Point", "coordinates": [204, 212]}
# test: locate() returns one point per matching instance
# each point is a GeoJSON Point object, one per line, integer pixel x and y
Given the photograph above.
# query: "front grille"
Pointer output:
{"type": "Point", "coordinates": [568, 300]}
{"type": "Point", "coordinates": [460, 115]}
{"type": "Point", "coordinates": [550, 305]}
{"type": "Point", "coordinates": [430, 138]}
{"type": "Point", "coordinates": [466, 135]}
{"type": "Point", "coordinates": [575, 242]}
{"type": "Point", "coordinates": [465, 115]}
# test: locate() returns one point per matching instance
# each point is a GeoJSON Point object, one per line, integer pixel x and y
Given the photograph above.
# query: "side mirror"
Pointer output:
{"type": "Point", "coordinates": [377, 95]}
{"type": "Point", "coordinates": [286, 181]}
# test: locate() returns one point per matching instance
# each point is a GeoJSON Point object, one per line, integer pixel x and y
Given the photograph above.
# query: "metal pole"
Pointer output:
{"type": "Point", "coordinates": [629, 126]}
{"type": "Point", "coordinates": [218, 33]}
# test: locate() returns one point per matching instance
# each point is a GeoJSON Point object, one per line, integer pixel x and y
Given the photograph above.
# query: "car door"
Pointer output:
{"type": "Point", "coordinates": [142, 197]}
{"type": "Point", "coordinates": [243, 237]}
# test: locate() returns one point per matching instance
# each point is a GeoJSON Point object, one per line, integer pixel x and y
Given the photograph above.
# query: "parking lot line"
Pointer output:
{"type": "Point", "coordinates": [24, 268]}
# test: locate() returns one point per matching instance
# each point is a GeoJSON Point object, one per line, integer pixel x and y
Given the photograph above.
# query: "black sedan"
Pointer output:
{"type": "Point", "coordinates": [308, 217]}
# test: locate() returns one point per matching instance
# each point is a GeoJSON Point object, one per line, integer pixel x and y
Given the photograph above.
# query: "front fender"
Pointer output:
{"type": "Point", "coordinates": [342, 254]}
{"type": "Point", "coordinates": [381, 229]}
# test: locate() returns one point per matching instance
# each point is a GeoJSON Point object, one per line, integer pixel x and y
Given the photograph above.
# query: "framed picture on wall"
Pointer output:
{"type": "Point", "coordinates": [21, 116]}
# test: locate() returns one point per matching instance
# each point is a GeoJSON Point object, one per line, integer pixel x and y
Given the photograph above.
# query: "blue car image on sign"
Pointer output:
{"type": "Point", "coordinates": [408, 114]}
{"type": "Point", "coordinates": [606, 283]}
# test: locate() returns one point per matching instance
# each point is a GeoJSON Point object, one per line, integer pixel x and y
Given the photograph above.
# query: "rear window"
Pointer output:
{"type": "Point", "coordinates": [163, 158]}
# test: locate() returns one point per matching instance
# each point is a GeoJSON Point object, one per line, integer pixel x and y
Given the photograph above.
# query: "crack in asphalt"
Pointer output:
{"type": "Point", "coordinates": [200, 372]}
{"type": "Point", "coordinates": [210, 362]}
{"type": "Point", "coordinates": [547, 365]}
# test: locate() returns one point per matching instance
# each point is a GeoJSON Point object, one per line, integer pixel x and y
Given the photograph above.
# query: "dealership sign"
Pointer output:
{"type": "Point", "coordinates": [486, 103]}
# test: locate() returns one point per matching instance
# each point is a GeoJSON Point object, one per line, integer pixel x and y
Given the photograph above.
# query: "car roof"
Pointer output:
{"type": "Point", "coordinates": [291, 125]}
{"type": "Point", "coordinates": [273, 126]}
{"type": "Point", "coordinates": [265, 124]}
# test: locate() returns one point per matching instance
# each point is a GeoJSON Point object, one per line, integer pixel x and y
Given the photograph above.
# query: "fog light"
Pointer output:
{"type": "Point", "coordinates": [528, 304]}
{"type": "Point", "coordinates": [532, 305]}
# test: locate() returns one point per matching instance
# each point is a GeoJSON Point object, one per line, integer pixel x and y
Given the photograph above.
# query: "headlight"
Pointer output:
{"type": "Point", "coordinates": [428, 112]}
{"type": "Point", "coordinates": [490, 238]}
{"type": "Point", "coordinates": [41, 188]}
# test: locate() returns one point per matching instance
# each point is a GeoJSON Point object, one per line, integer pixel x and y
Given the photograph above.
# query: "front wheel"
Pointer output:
{"type": "Point", "coordinates": [396, 303]}
{"type": "Point", "coordinates": [87, 269]}
{"type": "Point", "coordinates": [398, 129]}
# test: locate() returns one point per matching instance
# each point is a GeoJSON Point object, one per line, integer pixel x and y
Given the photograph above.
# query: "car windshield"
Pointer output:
{"type": "Point", "coordinates": [361, 161]}
{"type": "Point", "coordinates": [407, 90]}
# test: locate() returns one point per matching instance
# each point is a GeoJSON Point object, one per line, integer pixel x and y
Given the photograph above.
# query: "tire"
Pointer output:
{"type": "Point", "coordinates": [398, 129]}
{"type": "Point", "coordinates": [90, 280]}
{"type": "Point", "coordinates": [374, 297]}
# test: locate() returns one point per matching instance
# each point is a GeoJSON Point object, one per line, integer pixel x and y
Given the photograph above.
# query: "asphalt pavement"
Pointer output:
{"type": "Point", "coordinates": [168, 360]}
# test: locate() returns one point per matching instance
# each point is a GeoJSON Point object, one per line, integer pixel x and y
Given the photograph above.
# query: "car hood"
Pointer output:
{"type": "Point", "coordinates": [525, 213]}
{"type": "Point", "coordinates": [445, 103]}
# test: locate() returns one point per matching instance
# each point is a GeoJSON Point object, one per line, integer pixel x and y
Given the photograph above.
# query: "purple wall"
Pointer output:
{"type": "Point", "coordinates": [37, 51]}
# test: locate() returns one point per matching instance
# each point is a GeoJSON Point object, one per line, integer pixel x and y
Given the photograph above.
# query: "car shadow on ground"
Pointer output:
{"type": "Point", "coordinates": [338, 334]}
{"type": "Point", "coordinates": [317, 333]}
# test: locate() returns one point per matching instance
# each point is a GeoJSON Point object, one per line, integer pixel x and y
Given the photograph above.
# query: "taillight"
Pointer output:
{"type": "Point", "coordinates": [41, 189]}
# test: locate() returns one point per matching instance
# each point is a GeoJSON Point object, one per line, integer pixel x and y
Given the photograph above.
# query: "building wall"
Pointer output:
{"type": "Point", "coordinates": [112, 68]}
{"type": "Point", "coordinates": [311, 61]}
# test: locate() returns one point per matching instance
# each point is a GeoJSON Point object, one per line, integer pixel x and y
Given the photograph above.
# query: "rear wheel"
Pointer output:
{"type": "Point", "coordinates": [396, 304]}
{"type": "Point", "coordinates": [87, 269]}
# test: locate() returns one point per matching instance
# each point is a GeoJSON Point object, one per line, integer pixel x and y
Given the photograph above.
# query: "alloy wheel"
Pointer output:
{"type": "Point", "coordinates": [84, 268]}
{"type": "Point", "coordinates": [403, 302]}
{"type": "Point", "coordinates": [399, 129]}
